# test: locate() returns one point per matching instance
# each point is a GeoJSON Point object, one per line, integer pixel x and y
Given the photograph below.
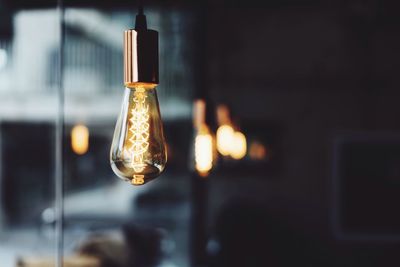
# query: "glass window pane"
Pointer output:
{"type": "Point", "coordinates": [29, 52]}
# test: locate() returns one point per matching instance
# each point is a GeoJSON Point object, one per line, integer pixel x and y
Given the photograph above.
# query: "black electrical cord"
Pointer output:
{"type": "Point", "coordinates": [140, 7]}
{"type": "Point", "coordinates": [140, 23]}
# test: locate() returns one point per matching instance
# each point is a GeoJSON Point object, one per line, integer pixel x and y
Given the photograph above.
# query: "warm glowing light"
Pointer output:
{"type": "Point", "coordinates": [231, 143]}
{"type": "Point", "coordinates": [224, 139]}
{"type": "Point", "coordinates": [138, 134]}
{"type": "Point", "coordinates": [257, 151]}
{"type": "Point", "coordinates": [223, 116]}
{"type": "Point", "coordinates": [239, 147]}
{"type": "Point", "coordinates": [138, 152]}
{"type": "Point", "coordinates": [80, 139]}
{"type": "Point", "coordinates": [138, 179]}
{"type": "Point", "coordinates": [203, 153]}
{"type": "Point", "coordinates": [139, 129]}
{"type": "Point", "coordinates": [199, 113]}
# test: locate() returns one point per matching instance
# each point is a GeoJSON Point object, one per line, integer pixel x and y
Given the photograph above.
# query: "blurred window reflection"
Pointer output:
{"type": "Point", "coordinates": [28, 111]}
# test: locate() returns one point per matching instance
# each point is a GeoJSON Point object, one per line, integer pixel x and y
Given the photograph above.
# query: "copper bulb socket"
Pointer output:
{"type": "Point", "coordinates": [140, 58]}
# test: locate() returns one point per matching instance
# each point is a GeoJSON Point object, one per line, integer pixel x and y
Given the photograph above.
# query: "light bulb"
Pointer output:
{"type": "Point", "coordinates": [239, 146]}
{"type": "Point", "coordinates": [224, 139]}
{"type": "Point", "coordinates": [138, 152]}
{"type": "Point", "coordinates": [203, 147]}
{"type": "Point", "coordinates": [80, 139]}
{"type": "Point", "coordinates": [257, 151]}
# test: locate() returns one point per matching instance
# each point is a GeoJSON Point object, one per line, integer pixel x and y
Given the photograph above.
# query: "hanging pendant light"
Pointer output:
{"type": "Point", "coordinates": [138, 151]}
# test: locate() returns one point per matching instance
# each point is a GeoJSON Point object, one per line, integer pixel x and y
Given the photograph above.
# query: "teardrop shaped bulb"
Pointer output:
{"type": "Point", "coordinates": [138, 151]}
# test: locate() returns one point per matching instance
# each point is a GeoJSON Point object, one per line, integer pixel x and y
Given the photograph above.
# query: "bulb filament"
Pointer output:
{"type": "Point", "coordinates": [139, 134]}
{"type": "Point", "coordinates": [138, 179]}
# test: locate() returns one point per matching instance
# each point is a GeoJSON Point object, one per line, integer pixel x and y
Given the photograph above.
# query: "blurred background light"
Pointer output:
{"type": "Point", "coordinates": [203, 152]}
{"type": "Point", "coordinates": [80, 139]}
{"type": "Point", "coordinates": [257, 151]}
{"type": "Point", "coordinates": [238, 146]}
{"type": "Point", "coordinates": [224, 139]}
{"type": "Point", "coordinates": [199, 113]}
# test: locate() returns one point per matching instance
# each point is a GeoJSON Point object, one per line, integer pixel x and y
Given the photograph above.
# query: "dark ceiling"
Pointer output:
{"type": "Point", "coordinates": [382, 9]}
{"type": "Point", "coordinates": [386, 5]}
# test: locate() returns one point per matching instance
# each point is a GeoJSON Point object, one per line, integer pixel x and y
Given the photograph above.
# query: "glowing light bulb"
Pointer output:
{"type": "Point", "coordinates": [203, 152]}
{"type": "Point", "coordinates": [138, 152]}
{"type": "Point", "coordinates": [224, 139]}
{"type": "Point", "coordinates": [80, 139]}
{"type": "Point", "coordinates": [257, 151]}
{"type": "Point", "coordinates": [238, 147]}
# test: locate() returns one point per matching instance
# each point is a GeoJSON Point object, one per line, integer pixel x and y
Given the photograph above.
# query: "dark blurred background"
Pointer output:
{"type": "Point", "coordinates": [313, 86]}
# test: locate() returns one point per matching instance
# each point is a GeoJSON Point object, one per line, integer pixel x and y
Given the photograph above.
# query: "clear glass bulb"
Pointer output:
{"type": "Point", "coordinates": [138, 151]}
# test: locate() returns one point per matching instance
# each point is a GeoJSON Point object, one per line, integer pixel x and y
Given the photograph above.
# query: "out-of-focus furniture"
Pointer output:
{"type": "Point", "coordinates": [74, 261]}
